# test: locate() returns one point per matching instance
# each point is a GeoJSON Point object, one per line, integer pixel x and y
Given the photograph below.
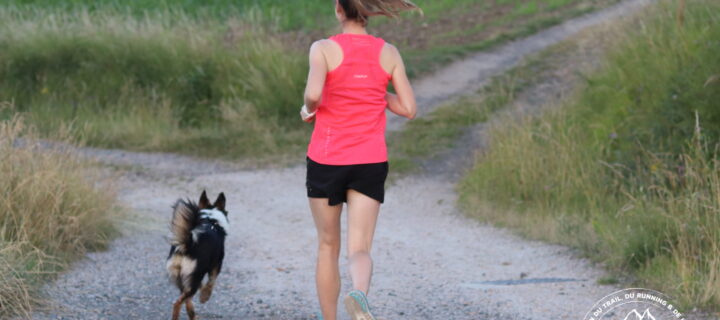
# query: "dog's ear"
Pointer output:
{"type": "Point", "coordinates": [204, 201]}
{"type": "Point", "coordinates": [220, 202]}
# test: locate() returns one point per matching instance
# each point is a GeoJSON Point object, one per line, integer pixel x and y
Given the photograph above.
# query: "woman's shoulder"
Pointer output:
{"type": "Point", "coordinates": [390, 57]}
{"type": "Point", "coordinates": [322, 47]}
{"type": "Point", "coordinates": [389, 51]}
{"type": "Point", "coordinates": [325, 46]}
{"type": "Point", "coordinates": [390, 47]}
{"type": "Point", "coordinates": [322, 43]}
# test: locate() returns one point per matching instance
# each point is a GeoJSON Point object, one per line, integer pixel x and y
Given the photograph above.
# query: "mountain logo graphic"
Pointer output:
{"type": "Point", "coordinates": [634, 304]}
{"type": "Point", "coordinates": [635, 315]}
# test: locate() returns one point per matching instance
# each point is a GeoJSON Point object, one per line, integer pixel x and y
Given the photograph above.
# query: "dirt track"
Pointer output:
{"type": "Point", "coordinates": [431, 262]}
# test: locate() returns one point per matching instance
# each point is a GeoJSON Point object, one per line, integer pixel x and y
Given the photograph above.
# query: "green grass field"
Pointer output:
{"type": "Point", "coordinates": [283, 14]}
{"type": "Point", "coordinates": [629, 170]}
{"type": "Point", "coordinates": [211, 78]}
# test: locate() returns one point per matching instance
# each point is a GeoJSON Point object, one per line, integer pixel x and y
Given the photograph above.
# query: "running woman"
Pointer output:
{"type": "Point", "coordinates": [346, 96]}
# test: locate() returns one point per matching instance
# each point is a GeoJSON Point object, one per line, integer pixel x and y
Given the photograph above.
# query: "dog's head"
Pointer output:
{"type": "Point", "coordinates": [214, 212]}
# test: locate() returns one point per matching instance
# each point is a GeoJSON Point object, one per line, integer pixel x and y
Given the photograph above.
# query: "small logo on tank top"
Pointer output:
{"type": "Point", "coordinates": [360, 76]}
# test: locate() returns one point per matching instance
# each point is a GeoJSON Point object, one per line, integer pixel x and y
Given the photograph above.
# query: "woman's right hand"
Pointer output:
{"type": "Point", "coordinates": [305, 115]}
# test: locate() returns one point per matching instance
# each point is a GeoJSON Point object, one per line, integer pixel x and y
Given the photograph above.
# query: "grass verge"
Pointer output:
{"type": "Point", "coordinates": [51, 212]}
{"type": "Point", "coordinates": [628, 171]}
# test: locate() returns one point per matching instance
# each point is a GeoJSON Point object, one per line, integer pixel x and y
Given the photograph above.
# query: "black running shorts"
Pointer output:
{"type": "Point", "coordinates": [333, 182]}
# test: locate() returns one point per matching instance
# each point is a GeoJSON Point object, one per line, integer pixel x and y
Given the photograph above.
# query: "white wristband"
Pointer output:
{"type": "Point", "coordinates": [305, 114]}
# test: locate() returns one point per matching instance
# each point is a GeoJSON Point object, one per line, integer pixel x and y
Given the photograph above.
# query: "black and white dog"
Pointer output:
{"type": "Point", "coordinates": [198, 248]}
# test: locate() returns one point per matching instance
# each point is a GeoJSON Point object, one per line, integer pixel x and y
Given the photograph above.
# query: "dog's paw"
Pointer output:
{"type": "Point", "coordinates": [205, 294]}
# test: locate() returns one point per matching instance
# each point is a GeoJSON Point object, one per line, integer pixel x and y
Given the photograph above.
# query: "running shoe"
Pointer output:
{"type": "Point", "coordinates": [357, 306]}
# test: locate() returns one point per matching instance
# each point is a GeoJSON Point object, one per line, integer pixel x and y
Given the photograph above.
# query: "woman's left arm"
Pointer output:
{"type": "Point", "coordinates": [316, 77]}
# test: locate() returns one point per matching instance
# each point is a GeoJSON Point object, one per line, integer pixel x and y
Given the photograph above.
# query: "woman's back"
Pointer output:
{"type": "Point", "coordinates": [350, 121]}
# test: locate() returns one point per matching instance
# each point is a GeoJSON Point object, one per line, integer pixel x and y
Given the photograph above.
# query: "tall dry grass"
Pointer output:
{"type": "Point", "coordinates": [686, 192]}
{"type": "Point", "coordinates": [53, 208]}
{"type": "Point", "coordinates": [657, 225]}
{"type": "Point", "coordinates": [628, 170]}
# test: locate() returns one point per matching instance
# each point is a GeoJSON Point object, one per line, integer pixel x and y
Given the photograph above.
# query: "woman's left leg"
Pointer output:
{"type": "Point", "coordinates": [362, 217]}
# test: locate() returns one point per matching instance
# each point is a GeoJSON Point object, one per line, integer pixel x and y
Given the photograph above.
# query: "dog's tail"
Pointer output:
{"type": "Point", "coordinates": [183, 221]}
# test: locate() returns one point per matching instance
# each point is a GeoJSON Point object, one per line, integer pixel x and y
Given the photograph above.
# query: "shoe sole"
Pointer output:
{"type": "Point", "coordinates": [355, 310]}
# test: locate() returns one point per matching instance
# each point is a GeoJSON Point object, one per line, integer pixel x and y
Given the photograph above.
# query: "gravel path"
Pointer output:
{"type": "Point", "coordinates": [423, 247]}
{"type": "Point", "coordinates": [431, 261]}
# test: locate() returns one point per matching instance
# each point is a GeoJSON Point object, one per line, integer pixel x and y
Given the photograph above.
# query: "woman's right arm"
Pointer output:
{"type": "Point", "coordinates": [316, 77]}
{"type": "Point", "coordinates": [403, 102]}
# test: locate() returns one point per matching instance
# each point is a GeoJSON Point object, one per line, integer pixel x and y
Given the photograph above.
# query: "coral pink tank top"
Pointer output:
{"type": "Point", "coordinates": [350, 121]}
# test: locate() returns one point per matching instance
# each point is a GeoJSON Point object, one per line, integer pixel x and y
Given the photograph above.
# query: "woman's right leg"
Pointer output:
{"type": "Point", "coordinates": [327, 273]}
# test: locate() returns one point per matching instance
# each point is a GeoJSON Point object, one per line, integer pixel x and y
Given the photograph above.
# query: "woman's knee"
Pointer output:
{"type": "Point", "coordinates": [359, 255]}
{"type": "Point", "coordinates": [329, 244]}
{"type": "Point", "coordinates": [356, 246]}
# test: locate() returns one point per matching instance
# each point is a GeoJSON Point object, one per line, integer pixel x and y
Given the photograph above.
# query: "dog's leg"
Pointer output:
{"type": "Point", "coordinates": [190, 309]}
{"type": "Point", "coordinates": [178, 305]}
{"type": "Point", "coordinates": [206, 290]}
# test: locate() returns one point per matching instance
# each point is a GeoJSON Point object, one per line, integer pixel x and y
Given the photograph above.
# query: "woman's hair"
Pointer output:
{"type": "Point", "coordinates": [361, 10]}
